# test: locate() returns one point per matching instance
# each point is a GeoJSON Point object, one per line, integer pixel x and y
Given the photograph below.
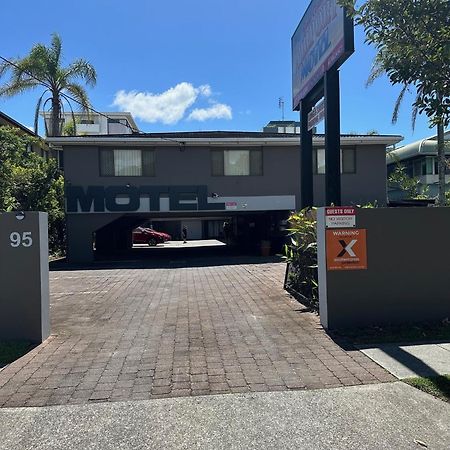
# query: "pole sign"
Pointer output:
{"type": "Point", "coordinates": [342, 217]}
{"type": "Point", "coordinates": [323, 39]}
{"type": "Point", "coordinates": [346, 249]}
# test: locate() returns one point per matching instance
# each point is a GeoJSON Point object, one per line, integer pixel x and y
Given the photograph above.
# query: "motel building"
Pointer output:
{"type": "Point", "coordinates": [115, 183]}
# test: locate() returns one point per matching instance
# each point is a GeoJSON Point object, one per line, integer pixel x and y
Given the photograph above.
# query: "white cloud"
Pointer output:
{"type": "Point", "coordinates": [168, 107]}
{"type": "Point", "coordinates": [217, 111]}
{"type": "Point", "coordinates": [205, 90]}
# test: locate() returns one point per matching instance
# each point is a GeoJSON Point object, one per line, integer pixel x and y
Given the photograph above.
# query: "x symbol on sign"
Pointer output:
{"type": "Point", "coordinates": [347, 248]}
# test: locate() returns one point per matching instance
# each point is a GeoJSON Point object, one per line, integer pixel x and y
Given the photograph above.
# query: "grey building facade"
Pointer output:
{"type": "Point", "coordinates": [200, 180]}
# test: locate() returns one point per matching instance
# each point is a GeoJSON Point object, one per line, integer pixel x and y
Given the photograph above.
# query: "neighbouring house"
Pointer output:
{"type": "Point", "coordinates": [282, 126]}
{"type": "Point", "coordinates": [39, 146]}
{"type": "Point", "coordinates": [420, 161]}
{"type": "Point", "coordinates": [251, 180]}
{"type": "Point", "coordinates": [95, 123]}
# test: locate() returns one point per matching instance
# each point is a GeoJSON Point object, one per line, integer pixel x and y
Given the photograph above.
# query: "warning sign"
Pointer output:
{"type": "Point", "coordinates": [346, 249]}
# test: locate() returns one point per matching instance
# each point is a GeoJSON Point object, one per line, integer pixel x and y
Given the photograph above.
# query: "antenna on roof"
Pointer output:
{"type": "Point", "coordinates": [281, 106]}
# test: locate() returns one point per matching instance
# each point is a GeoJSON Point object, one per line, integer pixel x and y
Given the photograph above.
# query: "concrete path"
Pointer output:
{"type": "Point", "coordinates": [145, 333]}
{"type": "Point", "coordinates": [405, 361]}
{"type": "Point", "coordinates": [384, 416]}
{"type": "Point", "coordinates": [181, 244]}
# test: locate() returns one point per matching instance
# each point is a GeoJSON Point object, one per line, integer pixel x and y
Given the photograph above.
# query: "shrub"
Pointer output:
{"type": "Point", "coordinates": [301, 256]}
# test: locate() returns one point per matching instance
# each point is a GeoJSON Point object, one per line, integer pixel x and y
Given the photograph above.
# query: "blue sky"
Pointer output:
{"type": "Point", "coordinates": [196, 65]}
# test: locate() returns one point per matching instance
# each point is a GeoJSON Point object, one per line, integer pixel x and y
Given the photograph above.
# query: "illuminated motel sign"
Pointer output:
{"type": "Point", "coordinates": [323, 40]}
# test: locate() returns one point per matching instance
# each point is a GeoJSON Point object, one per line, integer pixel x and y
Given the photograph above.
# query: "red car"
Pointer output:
{"type": "Point", "coordinates": [148, 236]}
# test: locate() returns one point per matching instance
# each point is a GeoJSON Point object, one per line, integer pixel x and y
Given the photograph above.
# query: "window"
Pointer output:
{"type": "Point", "coordinates": [118, 126]}
{"type": "Point", "coordinates": [319, 160]}
{"type": "Point", "coordinates": [436, 166]}
{"type": "Point", "coordinates": [348, 161]}
{"type": "Point", "coordinates": [123, 163]}
{"type": "Point", "coordinates": [236, 162]}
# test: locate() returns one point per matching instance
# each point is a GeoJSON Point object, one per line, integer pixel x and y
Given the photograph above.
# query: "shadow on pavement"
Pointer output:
{"type": "Point", "coordinates": [166, 262]}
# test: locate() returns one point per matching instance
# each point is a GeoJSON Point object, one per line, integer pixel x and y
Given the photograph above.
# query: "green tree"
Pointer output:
{"type": "Point", "coordinates": [42, 68]}
{"type": "Point", "coordinates": [29, 182]}
{"type": "Point", "coordinates": [412, 187]}
{"type": "Point", "coordinates": [412, 42]}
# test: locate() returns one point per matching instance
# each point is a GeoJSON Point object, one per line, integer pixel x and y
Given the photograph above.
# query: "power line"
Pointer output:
{"type": "Point", "coordinates": [44, 83]}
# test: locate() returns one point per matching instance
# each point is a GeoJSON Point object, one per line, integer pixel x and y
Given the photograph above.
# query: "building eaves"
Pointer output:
{"type": "Point", "coordinates": [218, 138]}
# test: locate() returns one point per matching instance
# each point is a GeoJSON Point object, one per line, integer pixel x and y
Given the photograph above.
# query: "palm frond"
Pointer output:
{"type": "Point", "coordinates": [55, 49]}
{"type": "Point", "coordinates": [398, 103]}
{"type": "Point", "coordinates": [37, 63]}
{"type": "Point", "coordinates": [79, 95]}
{"type": "Point", "coordinates": [81, 69]}
{"type": "Point", "coordinates": [377, 69]}
{"type": "Point", "coordinates": [4, 67]}
{"type": "Point", "coordinates": [10, 89]}
{"type": "Point", "coordinates": [415, 112]}
{"type": "Point", "coordinates": [74, 121]}
{"type": "Point", "coordinates": [36, 112]}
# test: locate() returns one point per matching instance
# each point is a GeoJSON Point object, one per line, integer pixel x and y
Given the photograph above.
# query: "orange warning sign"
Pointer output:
{"type": "Point", "coordinates": [346, 249]}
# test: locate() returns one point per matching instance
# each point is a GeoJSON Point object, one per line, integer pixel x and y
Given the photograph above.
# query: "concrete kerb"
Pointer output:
{"type": "Point", "coordinates": [405, 361]}
{"type": "Point", "coordinates": [379, 416]}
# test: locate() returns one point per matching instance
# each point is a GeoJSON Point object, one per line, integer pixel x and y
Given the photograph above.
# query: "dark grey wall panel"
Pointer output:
{"type": "Point", "coordinates": [24, 277]}
{"type": "Point", "coordinates": [408, 268]}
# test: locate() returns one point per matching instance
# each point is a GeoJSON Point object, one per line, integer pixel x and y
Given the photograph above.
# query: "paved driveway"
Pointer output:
{"type": "Point", "coordinates": [140, 333]}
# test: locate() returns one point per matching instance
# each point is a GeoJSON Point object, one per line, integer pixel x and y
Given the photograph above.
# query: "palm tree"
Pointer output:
{"type": "Point", "coordinates": [42, 68]}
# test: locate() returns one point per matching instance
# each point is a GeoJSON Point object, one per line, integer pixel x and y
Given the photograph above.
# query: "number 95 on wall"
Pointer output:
{"type": "Point", "coordinates": [24, 239]}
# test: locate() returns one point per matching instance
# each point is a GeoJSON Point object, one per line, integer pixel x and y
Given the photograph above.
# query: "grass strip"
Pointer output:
{"type": "Point", "coordinates": [437, 386]}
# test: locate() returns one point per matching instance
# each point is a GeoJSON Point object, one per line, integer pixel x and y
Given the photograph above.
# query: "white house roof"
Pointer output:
{"type": "Point", "coordinates": [424, 147]}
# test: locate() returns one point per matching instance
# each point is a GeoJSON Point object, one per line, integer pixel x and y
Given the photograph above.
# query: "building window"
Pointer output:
{"type": "Point", "coordinates": [127, 163]}
{"type": "Point", "coordinates": [348, 161]}
{"type": "Point", "coordinates": [236, 162]}
{"type": "Point", "coordinates": [319, 161]}
{"type": "Point", "coordinates": [118, 126]}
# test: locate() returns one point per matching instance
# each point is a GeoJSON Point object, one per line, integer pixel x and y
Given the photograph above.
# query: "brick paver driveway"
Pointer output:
{"type": "Point", "coordinates": [124, 334]}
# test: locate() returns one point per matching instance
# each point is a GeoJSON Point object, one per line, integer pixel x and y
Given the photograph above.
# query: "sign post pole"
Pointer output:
{"type": "Point", "coordinates": [306, 158]}
{"type": "Point", "coordinates": [332, 139]}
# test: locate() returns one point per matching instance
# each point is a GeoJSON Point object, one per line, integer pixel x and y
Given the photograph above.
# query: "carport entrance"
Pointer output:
{"type": "Point", "coordinates": [109, 236]}
{"type": "Point", "coordinates": [243, 234]}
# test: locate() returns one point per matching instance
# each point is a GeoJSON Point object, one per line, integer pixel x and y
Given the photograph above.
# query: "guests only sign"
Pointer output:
{"type": "Point", "coordinates": [342, 217]}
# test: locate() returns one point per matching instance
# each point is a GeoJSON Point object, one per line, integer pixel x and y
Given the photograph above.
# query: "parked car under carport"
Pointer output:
{"type": "Point", "coordinates": [149, 236]}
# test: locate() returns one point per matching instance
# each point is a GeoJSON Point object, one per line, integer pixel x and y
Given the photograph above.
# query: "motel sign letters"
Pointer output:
{"type": "Point", "coordinates": [128, 198]}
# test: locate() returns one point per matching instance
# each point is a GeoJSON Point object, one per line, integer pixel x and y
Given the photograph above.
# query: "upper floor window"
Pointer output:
{"type": "Point", "coordinates": [236, 162]}
{"type": "Point", "coordinates": [127, 163]}
{"type": "Point", "coordinates": [118, 126]}
{"type": "Point", "coordinates": [348, 160]}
